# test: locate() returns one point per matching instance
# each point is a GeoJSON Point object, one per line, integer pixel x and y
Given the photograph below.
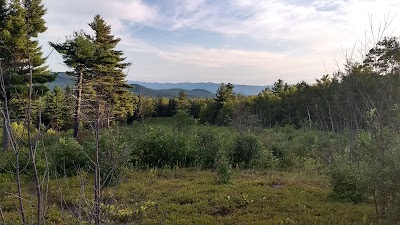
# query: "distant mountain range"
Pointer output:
{"type": "Point", "coordinates": [169, 90]}
{"type": "Point", "coordinates": [171, 93]}
{"type": "Point", "coordinates": [211, 87]}
{"type": "Point", "coordinates": [62, 81]}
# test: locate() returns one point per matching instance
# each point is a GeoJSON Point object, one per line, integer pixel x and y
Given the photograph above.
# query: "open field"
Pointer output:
{"type": "Point", "coordinates": [191, 196]}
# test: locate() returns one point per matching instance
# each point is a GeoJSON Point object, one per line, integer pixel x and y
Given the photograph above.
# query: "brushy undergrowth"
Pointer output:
{"type": "Point", "coordinates": [279, 175]}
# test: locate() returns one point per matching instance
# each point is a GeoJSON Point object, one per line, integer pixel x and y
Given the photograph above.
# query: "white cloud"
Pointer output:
{"type": "Point", "coordinates": [64, 17]}
{"type": "Point", "coordinates": [311, 32]}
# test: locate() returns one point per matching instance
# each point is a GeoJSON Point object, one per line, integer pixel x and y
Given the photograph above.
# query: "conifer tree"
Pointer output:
{"type": "Point", "coordinates": [55, 108]}
{"type": "Point", "coordinates": [78, 53]}
{"type": "Point", "coordinates": [21, 23]}
{"type": "Point", "coordinates": [109, 78]}
{"type": "Point", "coordinates": [3, 13]}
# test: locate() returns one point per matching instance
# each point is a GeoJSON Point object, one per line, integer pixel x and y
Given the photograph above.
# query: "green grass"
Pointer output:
{"type": "Point", "coordinates": [191, 196]}
{"type": "Point", "coordinates": [294, 193]}
{"type": "Point", "coordinates": [187, 196]}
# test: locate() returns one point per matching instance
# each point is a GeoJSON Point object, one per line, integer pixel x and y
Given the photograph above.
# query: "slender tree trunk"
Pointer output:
{"type": "Point", "coordinates": [309, 117]}
{"type": "Point", "coordinates": [6, 137]}
{"type": "Point", "coordinates": [7, 132]}
{"type": "Point", "coordinates": [97, 170]}
{"type": "Point", "coordinates": [32, 145]}
{"type": "Point", "coordinates": [18, 180]}
{"type": "Point", "coordinates": [78, 104]}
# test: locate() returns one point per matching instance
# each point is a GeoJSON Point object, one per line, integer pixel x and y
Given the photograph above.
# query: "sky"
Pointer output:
{"type": "Point", "coordinates": [254, 42]}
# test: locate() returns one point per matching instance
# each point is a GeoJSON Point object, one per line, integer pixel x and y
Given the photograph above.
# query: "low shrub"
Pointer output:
{"type": "Point", "coordinates": [8, 162]}
{"type": "Point", "coordinates": [207, 145]}
{"type": "Point", "coordinates": [348, 185]}
{"type": "Point", "coordinates": [115, 148]}
{"type": "Point", "coordinates": [163, 147]}
{"type": "Point", "coordinates": [182, 120]}
{"type": "Point", "coordinates": [68, 157]}
{"type": "Point", "coordinates": [224, 169]}
{"type": "Point", "coordinates": [246, 150]}
{"type": "Point", "coordinates": [265, 160]}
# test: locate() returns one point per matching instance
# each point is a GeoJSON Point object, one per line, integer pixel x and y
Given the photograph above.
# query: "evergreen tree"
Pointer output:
{"type": "Point", "coordinates": [55, 109]}
{"type": "Point", "coordinates": [109, 78]}
{"type": "Point", "coordinates": [21, 23]}
{"type": "Point", "coordinates": [3, 13]}
{"type": "Point", "coordinates": [224, 93]}
{"type": "Point", "coordinates": [278, 87]}
{"type": "Point", "coordinates": [70, 106]}
{"type": "Point", "coordinates": [183, 101]}
{"type": "Point", "coordinates": [78, 53]}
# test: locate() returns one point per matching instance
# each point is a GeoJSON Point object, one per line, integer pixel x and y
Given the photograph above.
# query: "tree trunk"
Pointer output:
{"type": "Point", "coordinates": [97, 185]}
{"type": "Point", "coordinates": [78, 104]}
{"type": "Point", "coordinates": [32, 144]}
{"type": "Point", "coordinates": [6, 137]}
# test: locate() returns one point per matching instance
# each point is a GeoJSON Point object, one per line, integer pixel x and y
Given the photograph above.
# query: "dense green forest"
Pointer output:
{"type": "Point", "coordinates": [96, 152]}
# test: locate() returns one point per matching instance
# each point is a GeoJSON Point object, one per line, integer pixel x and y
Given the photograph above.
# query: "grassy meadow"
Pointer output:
{"type": "Point", "coordinates": [173, 171]}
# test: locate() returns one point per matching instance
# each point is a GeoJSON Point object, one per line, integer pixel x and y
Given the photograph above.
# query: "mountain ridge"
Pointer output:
{"type": "Point", "coordinates": [171, 93]}
{"type": "Point", "coordinates": [209, 86]}
{"type": "Point", "coordinates": [170, 90]}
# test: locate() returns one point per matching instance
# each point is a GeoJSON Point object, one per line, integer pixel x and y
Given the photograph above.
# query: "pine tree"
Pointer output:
{"type": "Point", "coordinates": [109, 78]}
{"type": "Point", "coordinates": [78, 53]}
{"type": "Point", "coordinates": [20, 50]}
{"type": "Point", "coordinates": [23, 24]}
{"type": "Point", "coordinates": [55, 108]}
{"type": "Point", "coordinates": [68, 113]}
{"type": "Point", "coordinates": [3, 13]}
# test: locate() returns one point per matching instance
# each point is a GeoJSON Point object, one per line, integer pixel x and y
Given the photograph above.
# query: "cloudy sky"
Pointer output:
{"type": "Point", "coordinates": [237, 41]}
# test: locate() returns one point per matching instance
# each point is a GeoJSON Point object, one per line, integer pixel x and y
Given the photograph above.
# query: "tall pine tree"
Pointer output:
{"type": "Point", "coordinates": [78, 53]}
{"type": "Point", "coordinates": [19, 47]}
{"type": "Point", "coordinates": [109, 78]}
{"type": "Point", "coordinates": [3, 13]}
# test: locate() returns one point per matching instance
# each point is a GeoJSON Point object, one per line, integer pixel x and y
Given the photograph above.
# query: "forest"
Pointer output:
{"type": "Point", "coordinates": [96, 153]}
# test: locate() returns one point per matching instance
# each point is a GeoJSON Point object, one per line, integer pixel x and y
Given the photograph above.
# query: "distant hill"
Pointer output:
{"type": "Point", "coordinates": [170, 93]}
{"type": "Point", "coordinates": [211, 87]}
{"type": "Point", "coordinates": [169, 90]}
{"type": "Point", "coordinates": [62, 81]}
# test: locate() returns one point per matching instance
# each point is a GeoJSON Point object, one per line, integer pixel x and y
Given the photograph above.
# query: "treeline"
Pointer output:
{"type": "Point", "coordinates": [344, 100]}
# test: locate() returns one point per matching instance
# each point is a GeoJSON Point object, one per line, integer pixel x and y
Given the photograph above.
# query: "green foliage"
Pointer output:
{"type": "Point", "coordinates": [224, 169]}
{"type": "Point", "coordinates": [189, 196]}
{"type": "Point", "coordinates": [22, 24]}
{"type": "Point", "coordinates": [207, 144]}
{"type": "Point", "coordinates": [265, 160]}
{"type": "Point", "coordinates": [159, 147]}
{"type": "Point", "coordinates": [108, 78]}
{"type": "Point", "coordinates": [115, 150]}
{"type": "Point", "coordinates": [68, 157]}
{"type": "Point", "coordinates": [348, 185]}
{"type": "Point", "coordinates": [58, 111]}
{"type": "Point", "coordinates": [183, 120]}
{"type": "Point", "coordinates": [8, 162]}
{"type": "Point", "coordinates": [246, 150]}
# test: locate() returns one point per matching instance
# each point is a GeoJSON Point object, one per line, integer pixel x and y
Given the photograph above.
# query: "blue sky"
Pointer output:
{"type": "Point", "coordinates": [238, 41]}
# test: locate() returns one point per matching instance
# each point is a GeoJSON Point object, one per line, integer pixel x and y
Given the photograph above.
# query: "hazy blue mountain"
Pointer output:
{"type": "Point", "coordinates": [170, 93]}
{"type": "Point", "coordinates": [62, 81]}
{"type": "Point", "coordinates": [211, 87]}
{"type": "Point", "coordinates": [169, 90]}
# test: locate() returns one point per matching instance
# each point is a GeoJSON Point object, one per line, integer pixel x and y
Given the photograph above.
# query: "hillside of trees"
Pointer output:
{"type": "Point", "coordinates": [321, 153]}
{"type": "Point", "coordinates": [247, 90]}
